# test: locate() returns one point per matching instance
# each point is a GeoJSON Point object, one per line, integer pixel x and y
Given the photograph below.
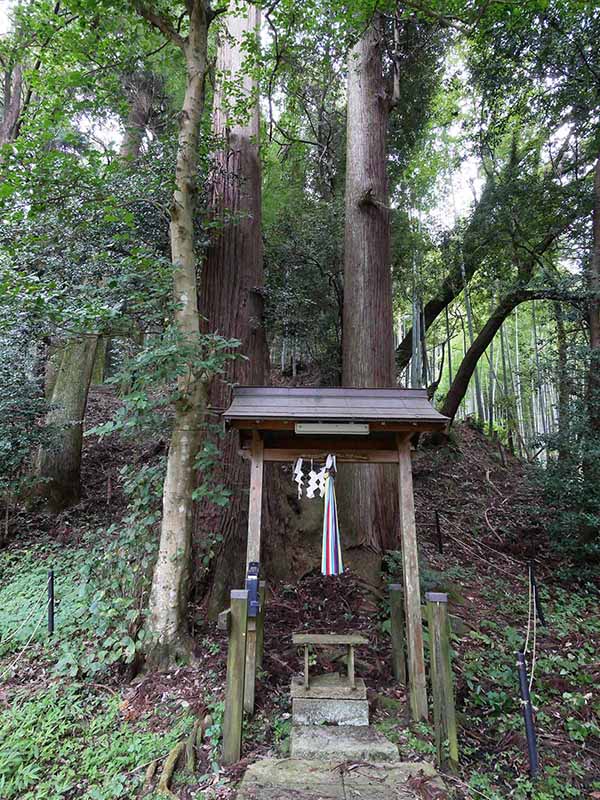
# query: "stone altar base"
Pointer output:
{"type": "Point", "coordinates": [329, 700]}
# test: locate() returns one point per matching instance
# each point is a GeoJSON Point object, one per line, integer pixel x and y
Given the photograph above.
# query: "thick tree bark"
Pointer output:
{"type": "Point", "coordinates": [171, 580]}
{"type": "Point", "coordinates": [594, 310]}
{"type": "Point", "coordinates": [12, 104]}
{"type": "Point", "coordinates": [367, 342]}
{"type": "Point", "coordinates": [232, 283]}
{"type": "Point", "coordinates": [465, 372]}
{"type": "Point", "coordinates": [59, 467]}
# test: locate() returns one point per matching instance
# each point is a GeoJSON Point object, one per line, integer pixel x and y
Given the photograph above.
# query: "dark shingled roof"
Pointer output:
{"type": "Point", "coordinates": [340, 405]}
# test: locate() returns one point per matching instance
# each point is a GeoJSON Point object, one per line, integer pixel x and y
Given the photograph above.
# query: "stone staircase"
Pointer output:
{"type": "Point", "coordinates": [335, 753]}
{"type": "Point", "coordinates": [330, 720]}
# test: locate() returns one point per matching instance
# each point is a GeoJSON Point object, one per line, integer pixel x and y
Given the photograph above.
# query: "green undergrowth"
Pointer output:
{"type": "Point", "coordinates": [492, 744]}
{"type": "Point", "coordinates": [96, 623]}
{"type": "Point", "coordinates": [101, 589]}
{"type": "Point", "coordinates": [567, 709]}
{"type": "Point", "coordinates": [71, 741]}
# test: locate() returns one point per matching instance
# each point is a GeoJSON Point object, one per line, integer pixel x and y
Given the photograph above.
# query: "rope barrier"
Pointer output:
{"type": "Point", "coordinates": [12, 635]}
{"type": "Point", "coordinates": [529, 601]}
{"type": "Point", "coordinates": [533, 649]}
{"type": "Point", "coordinates": [18, 658]}
{"type": "Point", "coordinates": [531, 623]}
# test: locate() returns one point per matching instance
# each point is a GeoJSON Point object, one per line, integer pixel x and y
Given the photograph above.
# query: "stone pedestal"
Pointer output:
{"type": "Point", "coordinates": [329, 700]}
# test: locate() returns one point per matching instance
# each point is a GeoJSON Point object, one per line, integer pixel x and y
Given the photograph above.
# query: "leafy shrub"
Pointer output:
{"type": "Point", "coordinates": [22, 410]}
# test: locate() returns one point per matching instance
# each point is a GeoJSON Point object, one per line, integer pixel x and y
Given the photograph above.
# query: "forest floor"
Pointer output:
{"type": "Point", "coordinates": [76, 723]}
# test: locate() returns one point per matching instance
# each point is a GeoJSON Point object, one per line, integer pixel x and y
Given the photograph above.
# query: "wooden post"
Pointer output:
{"type": "Point", "coordinates": [255, 500]}
{"type": "Point", "coordinates": [253, 554]}
{"type": "Point", "coordinates": [260, 624]}
{"type": "Point", "coordinates": [306, 680]}
{"type": "Point", "coordinates": [397, 632]}
{"type": "Point", "coordinates": [412, 593]}
{"type": "Point", "coordinates": [444, 714]}
{"type": "Point", "coordinates": [351, 677]}
{"type": "Point", "coordinates": [234, 693]}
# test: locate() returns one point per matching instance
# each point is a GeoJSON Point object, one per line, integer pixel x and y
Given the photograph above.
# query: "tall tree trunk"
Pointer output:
{"type": "Point", "coordinates": [233, 280]}
{"type": "Point", "coordinates": [367, 346]}
{"type": "Point", "coordinates": [449, 340]}
{"type": "Point", "coordinates": [491, 386]}
{"type": "Point", "coordinates": [171, 580]}
{"type": "Point", "coordinates": [59, 466]}
{"type": "Point", "coordinates": [594, 310]}
{"type": "Point", "coordinates": [12, 104]}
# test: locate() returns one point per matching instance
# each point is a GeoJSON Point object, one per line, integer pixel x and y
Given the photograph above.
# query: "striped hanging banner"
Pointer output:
{"type": "Point", "coordinates": [331, 559]}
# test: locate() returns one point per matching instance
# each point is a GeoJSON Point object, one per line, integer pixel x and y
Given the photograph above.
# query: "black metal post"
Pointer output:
{"type": "Point", "coordinates": [439, 532]}
{"type": "Point", "coordinates": [527, 715]}
{"type": "Point", "coordinates": [50, 602]}
{"type": "Point", "coordinates": [536, 595]}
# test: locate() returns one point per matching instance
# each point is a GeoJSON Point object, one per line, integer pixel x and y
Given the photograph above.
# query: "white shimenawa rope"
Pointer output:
{"type": "Point", "coordinates": [18, 658]}
{"type": "Point", "coordinates": [531, 614]}
{"type": "Point", "coordinates": [533, 648]}
{"type": "Point", "coordinates": [26, 620]}
{"type": "Point", "coordinates": [530, 602]}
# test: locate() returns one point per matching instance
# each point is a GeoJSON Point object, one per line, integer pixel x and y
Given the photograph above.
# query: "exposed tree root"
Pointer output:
{"type": "Point", "coordinates": [150, 773]}
{"type": "Point", "coordinates": [168, 770]}
{"type": "Point", "coordinates": [186, 748]}
{"type": "Point", "coordinates": [190, 747]}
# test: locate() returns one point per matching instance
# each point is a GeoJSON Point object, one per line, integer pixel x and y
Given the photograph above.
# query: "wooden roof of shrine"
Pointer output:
{"type": "Point", "coordinates": [356, 424]}
{"type": "Point", "coordinates": [272, 408]}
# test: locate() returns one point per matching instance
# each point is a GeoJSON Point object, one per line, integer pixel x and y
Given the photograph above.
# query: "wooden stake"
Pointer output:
{"type": "Point", "coordinates": [439, 532]}
{"type": "Point", "coordinates": [234, 693]}
{"type": "Point", "coordinates": [351, 677]}
{"type": "Point", "coordinates": [251, 662]}
{"type": "Point", "coordinates": [260, 624]}
{"type": "Point", "coordinates": [397, 632]}
{"type": "Point", "coordinates": [412, 594]}
{"type": "Point", "coordinates": [444, 714]}
{"type": "Point", "coordinates": [306, 666]}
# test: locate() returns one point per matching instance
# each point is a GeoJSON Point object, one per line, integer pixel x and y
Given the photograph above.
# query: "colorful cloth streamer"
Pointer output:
{"type": "Point", "coordinates": [331, 559]}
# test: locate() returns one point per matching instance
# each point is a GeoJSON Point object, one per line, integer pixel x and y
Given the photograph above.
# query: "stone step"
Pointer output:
{"type": "Point", "coordinates": [341, 743]}
{"type": "Point", "coordinates": [296, 779]}
{"type": "Point", "coordinates": [310, 711]}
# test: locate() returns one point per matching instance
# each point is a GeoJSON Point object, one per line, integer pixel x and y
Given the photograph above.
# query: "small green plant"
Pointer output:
{"type": "Point", "coordinates": [63, 741]}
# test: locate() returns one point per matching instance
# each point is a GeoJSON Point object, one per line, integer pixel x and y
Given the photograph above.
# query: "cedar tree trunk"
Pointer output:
{"type": "Point", "coordinates": [367, 341]}
{"type": "Point", "coordinates": [563, 382]}
{"type": "Point", "coordinates": [232, 283]}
